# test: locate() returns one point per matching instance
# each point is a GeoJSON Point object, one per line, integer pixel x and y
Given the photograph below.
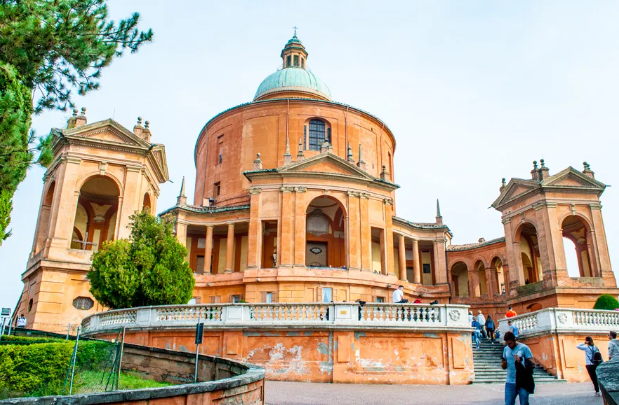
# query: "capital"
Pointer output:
{"type": "Point", "coordinates": [255, 190]}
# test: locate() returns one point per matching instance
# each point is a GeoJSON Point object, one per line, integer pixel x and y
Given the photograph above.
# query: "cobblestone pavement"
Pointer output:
{"type": "Point", "coordinates": [292, 393]}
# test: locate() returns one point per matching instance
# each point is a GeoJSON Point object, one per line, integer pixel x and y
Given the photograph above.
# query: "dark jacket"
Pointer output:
{"type": "Point", "coordinates": [524, 375]}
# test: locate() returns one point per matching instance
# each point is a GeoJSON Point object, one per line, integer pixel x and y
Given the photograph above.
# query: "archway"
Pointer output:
{"type": "Point", "coordinates": [499, 275]}
{"type": "Point", "coordinates": [529, 252]}
{"type": "Point", "coordinates": [482, 288]}
{"type": "Point", "coordinates": [577, 247]}
{"type": "Point", "coordinates": [460, 279]}
{"type": "Point", "coordinates": [325, 238]}
{"type": "Point", "coordinates": [95, 216]}
{"type": "Point", "coordinates": [146, 205]}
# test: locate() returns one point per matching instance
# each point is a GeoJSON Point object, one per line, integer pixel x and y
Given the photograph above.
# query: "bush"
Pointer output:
{"type": "Point", "coordinates": [28, 340]}
{"type": "Point", "coordinates": [606, 301]}
{"type": "Point", "coordinates": [40, 368]}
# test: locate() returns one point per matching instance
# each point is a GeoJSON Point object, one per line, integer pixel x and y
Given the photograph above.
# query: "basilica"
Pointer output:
{"type": "Point", "coordinates": [295, 202]}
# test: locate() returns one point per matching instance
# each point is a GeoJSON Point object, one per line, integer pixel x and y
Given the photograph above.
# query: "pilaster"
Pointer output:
{"type": "Point", "coordinates": [208, 249]}
{"type": "Point", "coordinates": [230, 249]}
{"type": "Point", "coordinates": [353, 231]}
{"type": "Point", "coordinates": [389, 236]}
{"type": "Point", "coordinates": [130, 201]}
{"type": "Point", "coordinates": [365, 232]}
{"type": "Point", "coordinates": [285, 255]}
{"type": "Point", "coordinates": [254, 239]}
{"type": "Point", "coordinates": [299, 225]}
{"type": "Point", "coordinates": [64, 207]}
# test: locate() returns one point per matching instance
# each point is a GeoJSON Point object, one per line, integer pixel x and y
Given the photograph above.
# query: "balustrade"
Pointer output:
{"type": "Point", "coordinates": [289, 314]}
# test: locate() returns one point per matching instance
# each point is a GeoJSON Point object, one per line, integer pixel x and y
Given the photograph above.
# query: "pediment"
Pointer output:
{"type": "Point", "coordinates": [107, 132]}
{"type": "Point", "coordinates": [160, 161]}
{"type": "Point", "coordinates": [515, 188]}
{"type": "Point", "coordinates": [326, 163]}
{"type": "Point", "coordinates": [572, 178]}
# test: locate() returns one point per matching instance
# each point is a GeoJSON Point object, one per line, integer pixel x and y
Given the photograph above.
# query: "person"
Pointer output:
{"type": "Point", "coordinates": [482, 321]}
{"type": "Point", "coordinates": [490, 328]}
{"type": "Point", "coordinates": [510, 312]}
{"type": "Point", "coordinates": [361, 305]}
{"type": "Point", "coordinates": [275, 257]}
{"type": "Point", "coordinates": [398, 295]}
{"type": "Point", "coordinates": [470, 317]}
{"type": "Point", "coordinates": [613, 346]}
{"type": "Point", "coordinates": [21, 321]}
{"type": "Point", "coordinates": [513, 329]}
{"type": "Point", "coordinates": [591, 361]}
{"type": "Point", "coordinates": [476, 332]}
{"type": "Point", "coordinates": [497, 333]}
{"type": "Point", "coordinates": [518, 361]}
{"type": "Point", "coordinates": [417, 301]}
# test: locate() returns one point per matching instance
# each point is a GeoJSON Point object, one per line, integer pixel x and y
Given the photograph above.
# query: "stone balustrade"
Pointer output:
{"type": "Point", "coordinates": [563, 320]}
{"type": "Point", "coordinates": [374, 315]}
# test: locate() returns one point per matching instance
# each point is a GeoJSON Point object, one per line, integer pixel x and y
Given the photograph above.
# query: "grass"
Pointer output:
{"type": "Point", "coordinates": [88, 382]}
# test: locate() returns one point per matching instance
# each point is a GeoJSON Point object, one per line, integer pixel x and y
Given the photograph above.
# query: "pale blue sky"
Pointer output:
{"type": "Point", "coordinates": [473, 90]}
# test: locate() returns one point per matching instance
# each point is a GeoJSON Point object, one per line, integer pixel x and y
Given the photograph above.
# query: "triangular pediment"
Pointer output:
{"type": "Point", "coordinates": [160, 161]}
{"type": "Point", "coordinates": [326, 163]}
{"type": "Point", "coordinates": [514, 188]}
{"type": "Point", "coordinates": [572, 178]}
{"type": "Point", "coordinates": [107, 132]}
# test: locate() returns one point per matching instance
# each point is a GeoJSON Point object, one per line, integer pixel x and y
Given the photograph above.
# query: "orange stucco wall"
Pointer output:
{"type": "Point", "coordinates": [338, 356]}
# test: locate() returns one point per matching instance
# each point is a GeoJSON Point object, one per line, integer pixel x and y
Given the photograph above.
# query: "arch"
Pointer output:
{"type": "Point", "coordinates": [481, 289]}
{"type": "Point", "coordinates": [578, 251]}
{"type": "Point", "coordinates": [49, 194]}
{"type": "Point", "coordinates": [499, 276]}
{"type": "Point", "coordinates": [529, 263]}
{"type": "Point", "coordinates": [460, 279]}
{"type": "Point", "coordinates": [146, 203]}
{"type": "Point", "coordinates": [325, 232]}
{"type": "Point", "coordinates": [534, 307]}
{"type": "Point", "coordinates": [95, 215]}
{"type": "Point", "coordinates": [80, 183]}
{"type": "Point", "coordinates": [483, 261]}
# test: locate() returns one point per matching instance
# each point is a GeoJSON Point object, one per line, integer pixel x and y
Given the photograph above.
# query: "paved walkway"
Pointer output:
{"type": "Point", "coordinates": [291, 393]}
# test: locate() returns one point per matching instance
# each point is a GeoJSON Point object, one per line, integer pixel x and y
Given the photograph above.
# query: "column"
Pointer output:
{"type": "Point", "coordinates": [181, 235]}
{"type": "Point", "coordinates": [208, 249]}
{"type": "Point", "coordinates": [366, 232]}
{"type": "Point", "coordinates": [229, 249]}
{"type": "Point", "coordinates": [284, 254]}
{"type": "Point", "coordinates": [600, 244]}
{"type": "Point", "coordinates": [254, 245]}
{"type": "Point", "coordinates": [402, 257]}
{"type": "Point", "coordinates": [299, 226]}
{"type": "Point", "coordinates": [389, 236]}
{"type": "Point", "coordinates": [440, 264]}
{"type": "Point", "coordinates": [353, 231]}
{"type": "Point", "coordinates": [416, 262]}
{"type": "Point", "coordinates": [472, 284]}
{"type": "Point", "coordinates": [489, 284]}
{"type": "Point", "coordinates": [130, 201]}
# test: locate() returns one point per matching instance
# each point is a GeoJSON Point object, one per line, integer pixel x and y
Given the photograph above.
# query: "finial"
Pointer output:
{"type": "Point", "coordinates": [586, 165]}
{"type": "Point", "coordinates": [146, 124]}
{"type": "Point", "coordinates": [139, 120]}
{"type": "Point", "coordinates": [542, 163]}
{"type": "Point", "coordinates": [257, 156]}
{"type": "Point", "coordinates": [75, 112]}
{"type": "Point", "coordinates": [350, 156]}
{"type": "Point", "coordinates": [438, 208]}
{"type": "Point", "coordinates": [182, 194]}
{"type": "Point", "coordinates": [295, 30]}
{"type": "Point", "coordinates": [83, 111]}
{"type": "Point", "coordinates": [503, 181]}
{"type": "Point", "coordinates": [535, 164]}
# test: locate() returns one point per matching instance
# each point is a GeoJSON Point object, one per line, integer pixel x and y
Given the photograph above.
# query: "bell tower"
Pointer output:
{"type": "Point", "coordinates": [538, 213]}
{"type": "Point", "coordinates": [102, 173]}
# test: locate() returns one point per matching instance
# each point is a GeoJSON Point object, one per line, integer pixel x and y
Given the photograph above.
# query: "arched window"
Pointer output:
{"type": "Point", "coordinates": [317, 130]}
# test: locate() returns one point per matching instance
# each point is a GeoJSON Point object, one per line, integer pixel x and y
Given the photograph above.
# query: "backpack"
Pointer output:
{"type": "Point", "coordinates": [596, 357]}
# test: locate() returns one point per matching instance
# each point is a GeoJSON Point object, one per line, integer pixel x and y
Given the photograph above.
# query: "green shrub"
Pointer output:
{"type": "Point", "coordinates": [606, 301]}
{"type": "Point", "coordinates": [28, 340]}
{"type": "Point", "coordinates": [40, 368]}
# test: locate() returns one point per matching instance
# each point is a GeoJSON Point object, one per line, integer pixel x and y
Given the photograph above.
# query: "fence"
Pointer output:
{"type": "Point", "coordinates": [294, 314]}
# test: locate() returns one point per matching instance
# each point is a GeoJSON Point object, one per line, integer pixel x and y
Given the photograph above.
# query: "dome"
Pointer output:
{"type": "Point", "coordinates": [293, 79]}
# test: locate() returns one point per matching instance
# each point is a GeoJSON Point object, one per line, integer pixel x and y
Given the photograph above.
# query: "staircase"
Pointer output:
{"type": "Point", "coordinates": [487, 363]}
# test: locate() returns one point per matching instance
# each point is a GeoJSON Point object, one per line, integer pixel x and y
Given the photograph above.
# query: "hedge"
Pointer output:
{"type": "Point", "coordinates": [27, 340]}
{"type": "Point", "coordinates": [40, 368]}
{"type": "Point", "coordinates": [606, 301]}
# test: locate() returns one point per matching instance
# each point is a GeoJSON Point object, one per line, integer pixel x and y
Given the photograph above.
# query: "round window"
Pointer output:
{"type": "Point", "coordinates": [83, 303]}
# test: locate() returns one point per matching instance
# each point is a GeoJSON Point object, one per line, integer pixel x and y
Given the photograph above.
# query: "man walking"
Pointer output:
{"type": "Point", "coordinates": [613, 346]}
{"type": "Point", "coordinates": [513, 329]}
{"type": "Point", "coordinates": [477, 332]}
{"type": "Point", "coordinates": [517, 356]}
{"type": "Point", "coordinates": [510, 312]}
{"type": "Point", "coordinates": [482, 321]}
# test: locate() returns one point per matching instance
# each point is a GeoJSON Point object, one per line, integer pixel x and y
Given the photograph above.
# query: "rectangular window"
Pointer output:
{"type": "Point", "coordinates": [288, 61]}
{"type": "Point", "coordinates": [296, 60]}
{"type": "Point", "coordinates": [316, 134]}
{"type": "Point", "coordinates": [217, 189]}
{"type": "Point", "coordinates": [380, 299]}
{"type": "Point", "coordinates": [304, 137]}
{"type": "Point", "coordinates": [200, 265]}
{"type": "Point", "coordinates": [215, 299]}
{"type": "Point", "coordinates": [327, 294]}
{"type": "Point", "coordinates": [221, 157]}
{"type": "Point", "coordinates": [268, 297]}
{"type": "Point", "coordinates": [235, 299]}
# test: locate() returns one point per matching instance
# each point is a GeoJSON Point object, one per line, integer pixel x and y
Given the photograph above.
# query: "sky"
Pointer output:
{"type": "Point", "coordinates": [473, 91]}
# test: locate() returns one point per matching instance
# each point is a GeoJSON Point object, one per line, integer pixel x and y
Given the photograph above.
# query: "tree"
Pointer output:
{"type": "Point", "coordinates": [6, 206]}
{"type": "Point", "coordinates": [148, 269]}
{"type": "Point", "coordinates": [59, 45]}
{"type": "Point", "coordinates": [606, 301]}
{"type": "Point", "coordinates": [47, 50]}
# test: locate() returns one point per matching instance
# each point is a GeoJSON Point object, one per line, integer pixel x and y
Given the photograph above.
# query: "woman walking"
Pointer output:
{"type": "Point", "coordinates": [490, 328]}
{"type": "Point", "coordinates": [592, 361]}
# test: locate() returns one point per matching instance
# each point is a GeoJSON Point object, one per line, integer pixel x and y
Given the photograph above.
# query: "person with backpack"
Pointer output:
{"type": "Point", "coordinates": [490, 328]}
{"type": "Point", "coordinates": [476, 332]}
{"type": "Point", "coordinates": [593, 358]}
